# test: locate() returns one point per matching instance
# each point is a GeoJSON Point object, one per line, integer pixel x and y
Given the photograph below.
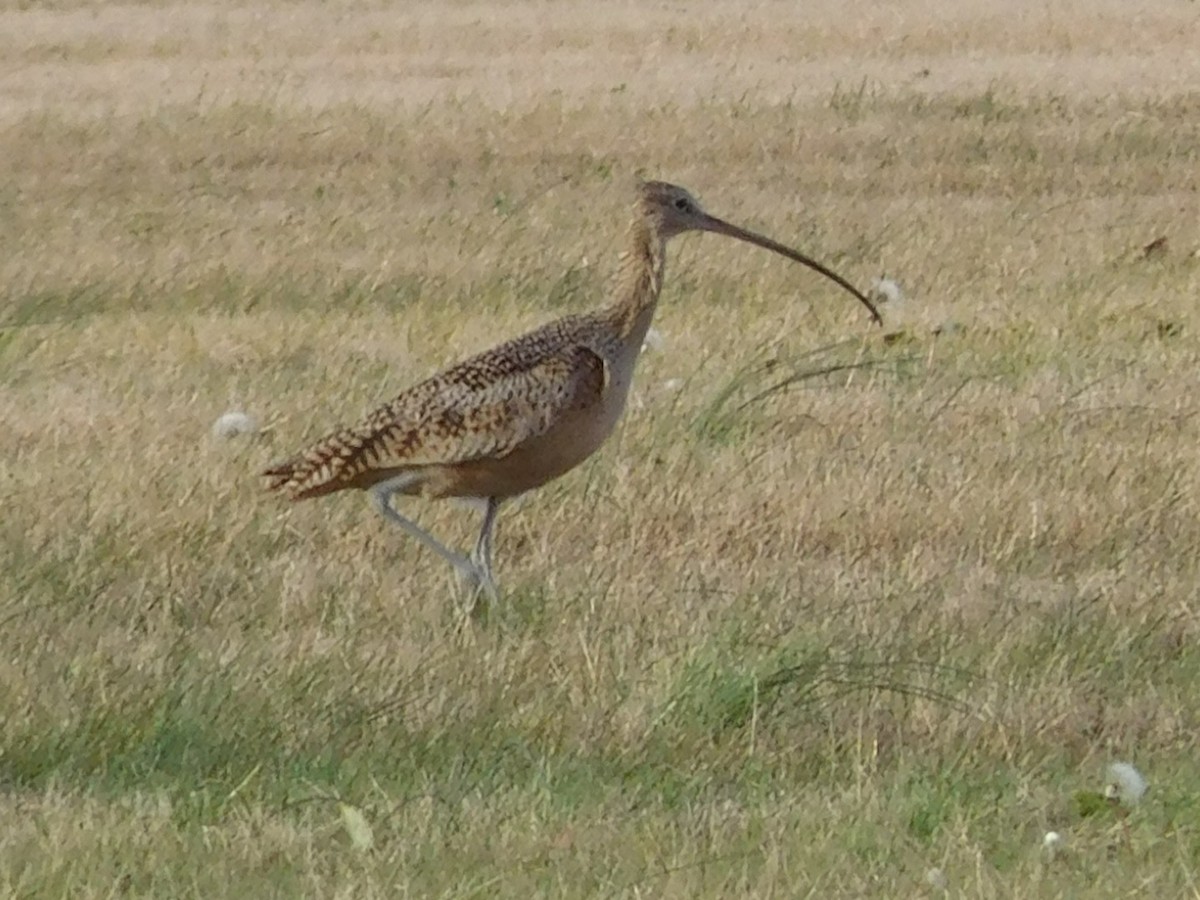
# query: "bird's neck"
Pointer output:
{"type": "Point", "coordinates": [639, 280]}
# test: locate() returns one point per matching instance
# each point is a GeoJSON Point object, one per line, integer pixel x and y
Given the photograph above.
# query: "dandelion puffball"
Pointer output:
{"type": "Point", "coordinates": [654, 339]}
{"type": "Point", "coordinates": [1052, 845]}
{"type": "Point", "coordinates": [1126, 783]}
{"type": "Point", "coordinates": [885, 290]}
{"type": "Point", "coordinates": [231, 424]}
{"type": "Point", "coordinates": [936, 879]}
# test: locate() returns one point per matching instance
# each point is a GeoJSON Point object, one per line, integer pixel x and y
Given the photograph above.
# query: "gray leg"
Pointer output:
{"type": "Point", "coordinates": [381, 495]}
{"type": "Point", "coordinates": [481, 556]}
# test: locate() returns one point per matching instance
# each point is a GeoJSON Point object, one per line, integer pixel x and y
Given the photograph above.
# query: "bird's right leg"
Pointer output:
{"type": "Point", "coordinates": [482, 554]}
{"type": "Point", "coordinates": [381, 495]}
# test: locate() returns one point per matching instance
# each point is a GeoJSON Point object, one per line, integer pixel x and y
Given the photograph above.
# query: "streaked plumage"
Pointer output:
{"type": "Point", "coordinates": [484, 408]}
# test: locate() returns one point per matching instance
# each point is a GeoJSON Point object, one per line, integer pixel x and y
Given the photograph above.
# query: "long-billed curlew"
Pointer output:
{"type": "Point", "coordinates": [521, 414]}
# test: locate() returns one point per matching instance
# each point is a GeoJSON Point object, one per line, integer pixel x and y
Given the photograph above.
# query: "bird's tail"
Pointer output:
{"type": "Point", "coordinates": [325, 467]}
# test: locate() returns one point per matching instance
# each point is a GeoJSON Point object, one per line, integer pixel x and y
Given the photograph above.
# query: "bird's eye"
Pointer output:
{"type": "Point", "coordinates": [682, 204]}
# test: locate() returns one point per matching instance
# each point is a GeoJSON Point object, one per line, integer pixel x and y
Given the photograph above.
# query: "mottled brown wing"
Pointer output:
{"type": "Point", "coordinates": [485, 407]}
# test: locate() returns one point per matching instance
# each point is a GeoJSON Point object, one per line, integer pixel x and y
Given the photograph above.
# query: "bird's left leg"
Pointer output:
{"type": "Point", "coordinates": [381, 495]}
{"type": "Point", "coordinates": [481, 556]}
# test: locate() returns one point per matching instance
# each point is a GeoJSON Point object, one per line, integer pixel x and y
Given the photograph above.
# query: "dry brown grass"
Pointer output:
{"type": "Point", "coordinates": [813, 643]}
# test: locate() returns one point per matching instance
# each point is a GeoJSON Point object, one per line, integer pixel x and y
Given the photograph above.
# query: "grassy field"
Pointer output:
{"type": "Point", "coordinates": [789, 634]}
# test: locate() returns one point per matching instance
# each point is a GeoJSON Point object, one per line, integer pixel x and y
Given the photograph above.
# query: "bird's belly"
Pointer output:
{"type": "Point", "coordinates": [542, 459]}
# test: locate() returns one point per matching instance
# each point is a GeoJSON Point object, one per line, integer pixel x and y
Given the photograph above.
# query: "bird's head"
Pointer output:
{"type": "Point", "coordinates": [671, 210]}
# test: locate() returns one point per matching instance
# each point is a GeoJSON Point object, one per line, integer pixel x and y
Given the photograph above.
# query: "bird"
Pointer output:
{"type": "Point", "coordinates": [515, 417]}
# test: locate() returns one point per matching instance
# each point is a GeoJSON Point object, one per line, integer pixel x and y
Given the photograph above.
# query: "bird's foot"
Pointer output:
{"type": "Point", "coordinates": [478, 590]}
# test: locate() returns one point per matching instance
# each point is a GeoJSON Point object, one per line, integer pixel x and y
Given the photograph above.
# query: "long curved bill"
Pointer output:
{"type": "Point", "coordinates": [720, 226]}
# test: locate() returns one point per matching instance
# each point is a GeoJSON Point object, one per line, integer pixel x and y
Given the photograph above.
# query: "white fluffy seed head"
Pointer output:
{"type": "Point", "coordinates": [885, 290]}
{"type": "Point", "coordinates": [231, 424]}
{"type": "Point", "coordinates": [1126, 783]}
{"type": "Point", "coordinates": [1053, 845]}
{"type": "Point", "coordinates": [936, 879]}
{"type": "Point", "coordinates": [654, 340]}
